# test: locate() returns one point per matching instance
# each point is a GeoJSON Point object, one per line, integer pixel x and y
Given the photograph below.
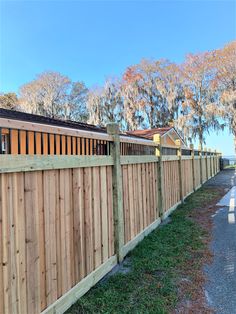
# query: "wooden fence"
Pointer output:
{"type": "Point", "coordinates": [23, 137]}
{"type": "Point", "coordinates": [66, 221]}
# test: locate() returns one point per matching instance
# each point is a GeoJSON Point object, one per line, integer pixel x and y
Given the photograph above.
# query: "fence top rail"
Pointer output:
{"type": "Point", "coordinates": [140, 141]}
{"type": "Point", "coordinates": [142, 159]}
{"type": "Point", "coordinates": [19, 163]}
{"type": "Point", "coordinates": [170, 146]}
{"type": "Point", "coordinates": [186, 157]}
{"type": "Point", "coordinates": [170, 158]}
{"type": "Point", "coordinates": [45, 128]}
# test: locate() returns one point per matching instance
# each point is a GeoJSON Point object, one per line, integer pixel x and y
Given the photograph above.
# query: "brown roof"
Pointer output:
{"type": "Point", "coordinates": [148, 134]}
{"type": "Point", "coordinates": [22, 116]}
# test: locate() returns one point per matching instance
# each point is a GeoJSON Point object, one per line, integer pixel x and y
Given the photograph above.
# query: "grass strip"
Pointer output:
{"type": "Point", "coordinates": [156, 267]}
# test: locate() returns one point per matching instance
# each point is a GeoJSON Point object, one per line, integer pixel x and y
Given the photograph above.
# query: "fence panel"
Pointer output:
{"type": "Point", "coordinates": [57, 227]}
{"type": "Point", "coordinates": [204, 170]}
{"type": "Point", "coordinates": [208, 167]}
{"type": "Point", "coordinates": [187, 174]}
{"type": "Point", "coordinates": [140, 197]}
{"type": "Point", "coordinates": [171, 190]}
{"type": "Point", "coordinates": [197, 171]}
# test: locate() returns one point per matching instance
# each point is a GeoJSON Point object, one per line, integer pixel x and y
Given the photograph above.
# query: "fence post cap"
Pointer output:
{"type": "Point", "coordinates": [157, 138]}
{"type": "Point", "coordinates": [113, 128]}
{"type": "Point", "coordinates": [178, 142]}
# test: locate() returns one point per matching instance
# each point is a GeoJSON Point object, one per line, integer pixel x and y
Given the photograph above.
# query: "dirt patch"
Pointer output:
{"type": "Point", "coordinates": [193, 278]}
{"type": "Point", "coordinates": [122, 268]}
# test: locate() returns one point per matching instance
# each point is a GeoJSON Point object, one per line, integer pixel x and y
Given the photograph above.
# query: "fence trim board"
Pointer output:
{"type": "Point", "coordinates": [186, 157]}
{"type": "Point", "coordinates": [170, 210]}
{"type": "Point", "coordinates": [70, 297]}
{"type": "Point", "coordinates": [188, 194]}
{"type": "Point", "coordinates": [140, 141]}
{"type": "Point", "coordinates": [169, 146]}
{"type": "Point", "coordinates": [169, 158]}
{"type": "Point", "coordinates": [132, 244]}
{"type": "Point", "coordinates": [127, 160]}
{"type": "Point", "coordinates": [198, 187]}
{"type": "Point", "coordinates": [45, 128]}
{"type": "Point", "coordinates": [19, 163]}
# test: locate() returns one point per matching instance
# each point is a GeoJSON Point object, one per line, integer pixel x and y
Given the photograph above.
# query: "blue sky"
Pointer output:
{"type": "Point", "coordinates": [92, 40]}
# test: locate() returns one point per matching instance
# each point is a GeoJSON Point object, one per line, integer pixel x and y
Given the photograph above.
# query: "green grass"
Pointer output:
{"type": "Point", "coordinates": [156, 267]}
{"type": "Point", "coordinates": [230, 167]}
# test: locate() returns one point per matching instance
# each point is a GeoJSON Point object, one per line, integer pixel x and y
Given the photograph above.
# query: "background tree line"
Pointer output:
{"type": "Point", "coordinates": [197, 95]}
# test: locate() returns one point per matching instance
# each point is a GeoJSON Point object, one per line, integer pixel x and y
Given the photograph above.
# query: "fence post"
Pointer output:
{"type": "Point", "coordinates": [221, 166]}
{"type": "Point", "coordinates": [206, 156]}
{"type": "Point", "coordinates": [215, 162]}
{"type": "Point", "coordinates": [210, 164]}
{"type": "Point", "coordinates": [193, 166]}
{"type": "Point", "coordinates": [113, 129]}
{"type": "Point", "coordinates": [157, 140]}
{"type": "Point", "coordinates": [200, 155]}
{"type": "Point", "coordinates": [179, 154]}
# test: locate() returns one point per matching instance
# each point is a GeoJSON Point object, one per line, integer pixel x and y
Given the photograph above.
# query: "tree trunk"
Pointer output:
{"type": "Point", "coordinates": [200, 133]}
{"type": "Point", "coordinates": [152, 117]}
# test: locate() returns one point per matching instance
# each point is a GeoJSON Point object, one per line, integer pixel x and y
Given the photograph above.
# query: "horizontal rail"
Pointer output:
{"type": "Point", "coordinates": [169, 158]}
{"type": "Point", "coordinates": [169, 146]}
{"type": "Point", "coordinates": [186, 157]}
{"type": "Point", "coordinates": [19, 163]}
{"type": "Point", "coordinates": [45, 128]}
{"type": "Point", "coordinates": [127, 160]}
{"type": "Point", "coordinates": [124, 139]}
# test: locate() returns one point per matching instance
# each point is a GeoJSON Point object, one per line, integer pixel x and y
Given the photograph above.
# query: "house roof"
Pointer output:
{"type": "Point", "coordinates": [148, 134]}
{"type": "Point", "coordinates": [22, 116]}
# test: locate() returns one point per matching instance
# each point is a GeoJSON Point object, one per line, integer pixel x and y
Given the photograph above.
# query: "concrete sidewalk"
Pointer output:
{"type": "Point", "coordinates": [221, 274]}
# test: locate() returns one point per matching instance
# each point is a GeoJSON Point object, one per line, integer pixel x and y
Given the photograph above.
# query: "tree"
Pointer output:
{"type": "Point", "coordinates": [95, 106]}
{"type": "Point", "coordinates": [152, 93]}
{"type": "Point", "coordinates": [170, 88]}
{"type": "Point", "coordinates": [46, 94]}
{"type": "Point", "coordinates": [9, 101]}
{"type": "Point", "coordinates": [155, 107]}
{"type": "Point", "coordinates": [54, 95]}
{"type": "Point", "coordinates": [225, 83]}
{"type": "Point", "coordinates": [133, 104]}
{"type": "Point", "coordinates": [74, 106]}
{"type": "Point", "coordinates": [200, 111]}
{"type": "Point", "coordinates": [105, 104]}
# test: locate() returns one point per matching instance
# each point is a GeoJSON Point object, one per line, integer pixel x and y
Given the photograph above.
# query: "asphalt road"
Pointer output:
{"type": "Point", "coordinates": [225, 178]}
{"type": "Point", "coordinates": [221, 274]}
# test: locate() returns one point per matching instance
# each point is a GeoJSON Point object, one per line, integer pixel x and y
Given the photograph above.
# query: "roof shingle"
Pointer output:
{"type": "Point", "coordinates": [148, 134]}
